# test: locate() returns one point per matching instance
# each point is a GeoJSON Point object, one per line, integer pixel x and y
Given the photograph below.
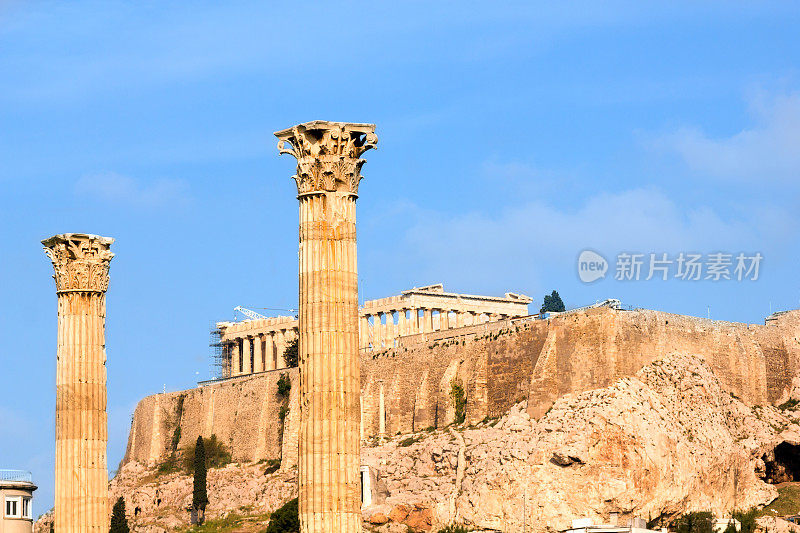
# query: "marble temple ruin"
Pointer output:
{"type": "Point", "coordinates": [81, 264]}
{"type": "Point", "coordinates": [329, 454]}
{"type": "Point", "coordinates": [253, 346]}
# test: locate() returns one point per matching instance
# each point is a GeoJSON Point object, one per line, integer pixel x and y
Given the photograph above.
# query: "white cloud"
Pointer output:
{"type": "Point", "coordinates": [118, 189]}
{"type": "Point", "coordinates": [766, 152]}
{"type": "Point", "coordinates": [526, 243]}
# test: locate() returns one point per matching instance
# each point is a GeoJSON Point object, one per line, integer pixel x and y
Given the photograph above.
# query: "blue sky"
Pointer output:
{"type": "Point", "coordinates": [512, 137]}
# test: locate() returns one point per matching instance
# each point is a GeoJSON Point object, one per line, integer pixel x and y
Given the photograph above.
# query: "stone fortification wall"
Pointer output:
{"type": "Point", "coordinates": [242, 412]}
{"type": "Point", "coordinates": [497, 364]}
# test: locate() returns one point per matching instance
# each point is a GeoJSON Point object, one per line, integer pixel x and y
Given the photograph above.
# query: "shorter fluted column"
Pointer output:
{"type": "Point", "coordinates": [258, 360]}
{"type": "Point", "coordinates": [427, 320]}
{"type": "Point", "coordinates": [402, 323]}
{"type": "Point", "coordinates": [236, 357]}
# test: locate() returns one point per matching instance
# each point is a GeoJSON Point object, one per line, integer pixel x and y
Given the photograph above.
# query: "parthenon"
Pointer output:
{"type": "Point", "coordinates": [253, 346]}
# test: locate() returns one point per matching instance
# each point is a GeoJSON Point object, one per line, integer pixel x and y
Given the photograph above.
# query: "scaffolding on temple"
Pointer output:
{"type": "Point", "coordinates": [220, 354]}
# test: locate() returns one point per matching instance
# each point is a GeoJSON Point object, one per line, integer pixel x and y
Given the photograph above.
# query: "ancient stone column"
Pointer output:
{"type": "Point", "coordinates": [388, 332]}
{"type": "Point", "coordinates": [427, 320]}
{"type": "Point", "coordinates": [442, 320]}
{"type": "Point", "coordinates": [402, 326]}
{"type": "Point", "coordinates": [363, 332]}
{"type": "Point", "coordinates": [81, 265]}
{"type": "Point", "coordinates": [247, 351]}
{"type": "Point", "coordinates": [236, 362]}
{"type": "Point", "coordinates": [258, 358]}
{"type": "Point", "coordinates": [270, 351]}
{"type": "Point", "coordinates": [328, 173]}
{"type": "Point", "coordinates": [280, 347]}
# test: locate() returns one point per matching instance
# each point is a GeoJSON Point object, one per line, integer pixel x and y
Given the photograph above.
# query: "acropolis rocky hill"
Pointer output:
{"type": "Point", "coordinates": [407, 388]}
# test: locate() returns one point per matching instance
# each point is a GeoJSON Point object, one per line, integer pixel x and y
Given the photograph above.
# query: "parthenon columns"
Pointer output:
{"type": "Point", "coordinates": [258, 358]}
{"type": "Point", "coordinates": [427, 320]}
{"type": "Point", "coordinates": [81, 264]}
{"type": "Point", "coordinates": [402, 323]}
{"type": "Point", "coordinates": [328, 173]}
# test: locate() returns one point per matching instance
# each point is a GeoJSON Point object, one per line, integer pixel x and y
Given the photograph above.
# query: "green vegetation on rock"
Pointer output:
{"type": "Point", "coordinates": [290, 356]}
{"type": "Point", "coordinates": [459, 401]}
{"type": "Point", "coordinates": [286, 519]}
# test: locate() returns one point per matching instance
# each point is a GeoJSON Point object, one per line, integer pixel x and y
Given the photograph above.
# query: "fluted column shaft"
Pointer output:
{"type": "Point", "coordinates": [236, 362]}
{"type": "Point", "coordinates": [329, 365]}
{"type": "Point", "coordinates": [402, 323]}
{"type": "Point", "coordinates": [258, 357]}
{"type": "Point", "coordinates": [81, 472]}
{"type": "Point", "coordinates": [247, 350]}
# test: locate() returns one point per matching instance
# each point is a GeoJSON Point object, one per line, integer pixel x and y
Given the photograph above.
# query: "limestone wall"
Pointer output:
{"type": "Point", "coordinates": [497, 364]}
{"type": "Point", "coordinates": [242, 412]}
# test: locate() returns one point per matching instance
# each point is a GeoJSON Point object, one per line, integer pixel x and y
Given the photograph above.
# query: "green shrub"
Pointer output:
{"type": "Point", "coordinates": [282, 412]}
{"type": "Point", "coordinates": [286, 519]}
{"type": "Point", "coordinates": [459, 401]}
{"type": "Point", "coordinates": [409, 441]}
{"type": "Point", "coordinates": [697, 522]}
{"type": "Point", "coordinates": [747, 519]}
{"type": "Point", "coordinates": [290, 354]}
{"type": "Point", "coordinates": [169, 466]}
{"type": "Point", "coordinates": [272, 466]}
{"type": "Point", "coordinates": [284, 385]}
{"type": "Point", "coordinates": [790, 404]}
{"type": "Point", "coordinates": [454, 528]}
{"type": "Point", "coordinates": [217, 454]}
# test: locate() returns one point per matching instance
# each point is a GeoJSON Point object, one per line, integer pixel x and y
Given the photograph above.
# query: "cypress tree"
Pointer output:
{"type": "Point", "coordinates": [199, 494]}
{"type": "Point", "coordinates": [119, 524]}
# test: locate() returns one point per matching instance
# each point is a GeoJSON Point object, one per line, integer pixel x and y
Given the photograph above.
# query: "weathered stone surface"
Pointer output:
{"type": "Point", "coordinates": [328, 173]}
{"type": "Point", "coordinates": [667, 440]}
{"type": "Point", "coordinates": [81, 265]}
{"type": "Point", "coordinates": [498, 365]}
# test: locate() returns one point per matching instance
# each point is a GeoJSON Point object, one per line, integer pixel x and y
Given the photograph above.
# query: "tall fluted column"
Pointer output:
{"type": "Point", "coordinates": [81, 265]}
{"type": "Point", "coordinates": [328, 173]}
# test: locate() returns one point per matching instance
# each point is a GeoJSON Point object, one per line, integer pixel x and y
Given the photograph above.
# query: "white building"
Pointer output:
{"type": "Point", "coordinates": [16, 496]}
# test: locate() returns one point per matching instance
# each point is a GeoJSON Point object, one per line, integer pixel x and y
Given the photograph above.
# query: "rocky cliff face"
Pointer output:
{"type": "Point", "coordinates": [407, 389]}
{"type": "Point", "coordinates": [666, 440]}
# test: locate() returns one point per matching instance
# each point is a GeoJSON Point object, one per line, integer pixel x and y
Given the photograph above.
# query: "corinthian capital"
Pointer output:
{"type": "Point", "coordinates": [328, 154]}
{"type": "Point", "coordinates": [80, 261]}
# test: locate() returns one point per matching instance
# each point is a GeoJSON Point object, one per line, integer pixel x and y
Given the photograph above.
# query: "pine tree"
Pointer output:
{"type": "Point", "coordinates": [119, 524]}
{"type": "Point", "coordinates": [199, 494]}
{"type": "Point", "coordinates": [552, 302]}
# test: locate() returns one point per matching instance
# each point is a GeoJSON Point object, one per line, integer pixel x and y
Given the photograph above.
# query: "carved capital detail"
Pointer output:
{"type": "Point", "coordinates": [80, 261]}
{"type": "Point", "coordinates": [328, 154]}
